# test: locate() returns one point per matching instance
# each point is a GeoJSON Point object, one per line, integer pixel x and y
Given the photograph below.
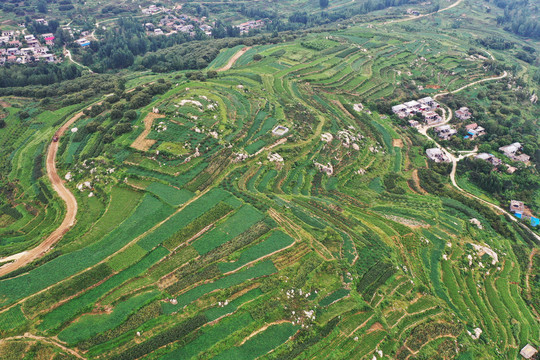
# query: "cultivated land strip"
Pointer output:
{"type": "Point", "coordinates": [64, 193]}
{"type": "Point", "coordinates": [141, 142]}
{"type": "Point", "coordinates": [30, 337]}
{"type": "Point", "coordinates": [233, 59]}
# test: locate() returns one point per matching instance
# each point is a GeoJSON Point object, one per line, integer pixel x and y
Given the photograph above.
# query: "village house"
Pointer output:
{"type": "Point", "coordinates": [152, 9]}
{"type": "Point", "coordinates": [280, 130]}
{"type": "Point", "coordinates": [489, 158]}
{"type": "Point", "coordinates": [29, 37]}
{"type": "Point", "coordinates": [437, 155]}
{"type": "Point", "coordinates": [149, 26]}
{"type": "Point", "coordinates": [473, 131]}
{"type": "Point", "coordinates": [27, 51]}
{"type": "Point", "coordinates": [207, 29]}
{"type": "Point", "coordinates": [528, 352]}
{"type": "Point", "coordinates": [414, 123]}
{"type": "Point", "coordinates": [13, 51]}
{"type": "Point", "coordinates": [522, 212]}
{"type": "Point", "coordinates": [47, 57]}
{"type": "Point", "coordinates": [428, 103]}
{"type": "Point", "coordinates": [400, 110]}
{"type": "Point", "coordinates": [42, 22]}
{"type": "Point", "coordinates": [15, 43]}
{"type": "Point", "coordinates": [463, 113]}
{"type": "Point", "coordinates": [431, 117]}
{"type": "Point", "coordinates": [413, 105]}
{"type": "Point", "coordinates": [252, 24]}
{"type": "Point", "coordinates": [158, 32]}
{"type": "Point", "coordinates": [512, 152]}
{"type": "Point", "coordinates": [185, 28]}
{"type": "Point", "coordinates": [425, 105]}
{"type": "Point", "coordinates": [4, 40]}
{"type": "Point", "coordinates": [445, 132]}
{"type": "Point", "coordinates": [8, 33]}
{"type": "Point", "coordinates": [83, 42]}
{"type": "Point", "coordinates": [33, 43]}
{"type": "Point", "coordinates": [49, 39]}
{"type": "Point", "coordinates": [510, 169]}
{"type": "Point", "coordinates": [517, 207]}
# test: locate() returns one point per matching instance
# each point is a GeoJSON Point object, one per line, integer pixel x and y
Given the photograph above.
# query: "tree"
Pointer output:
{"type": "Point", "coordinates": [116, 114]}
{"type": "Point", "coordinates": [24, 115]}
{"type": "Point", "coordinates": [130, 115]}
{"type": "Point", "coordinates": [2, 123]}
{"type": "Point", "coordinates": [323, 4]}
{"type": "Point", "coordinates": [42, 7]}
{"type": "Point", "coordinates": [257, 57]}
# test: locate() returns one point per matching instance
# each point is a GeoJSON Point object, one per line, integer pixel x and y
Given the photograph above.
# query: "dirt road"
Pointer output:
{"type": "Point", "coordinates": [423, 130]}
{"type": "Point", "coordinates": [66, 195]}
{"type": "Point", "coordinates": [424, 15]}
{"type": "Point", "coordinates": [67, 53]}
{"type": "Point", "coordinates": [232, 60]}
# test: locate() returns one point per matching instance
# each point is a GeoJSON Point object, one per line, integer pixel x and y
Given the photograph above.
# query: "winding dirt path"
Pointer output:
{"type": "Point", "coordinates": [423, 130]}
{"type": "Point", "coordinates": [423, 15]}
{"type": "Point", "coordinates": [28, 256]}
{"type": "Point", "coordinates": [67, 54]}
{"type": "Point", "coordinates": [233, 59]}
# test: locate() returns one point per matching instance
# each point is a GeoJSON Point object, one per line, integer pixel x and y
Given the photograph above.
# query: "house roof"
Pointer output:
{"type": "Point", "coordinates": [511, 149]}
{"type": "Point", "coordinates": [517, 206]}
{"type": "Point", "coordinates": [483, 156]}
{"type": "Point", "coordinates": [528, 351]}
{"type": "Point", "coordinates": [426, 99]}
{"type": "Point", "coordinates": [412, 103]}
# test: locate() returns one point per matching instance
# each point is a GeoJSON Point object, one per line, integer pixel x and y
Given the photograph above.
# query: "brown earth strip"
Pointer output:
{"type": "Point", "coordinates": [141, 142]}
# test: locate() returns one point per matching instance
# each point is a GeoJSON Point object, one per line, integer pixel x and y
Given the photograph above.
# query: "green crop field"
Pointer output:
{"type": "Point", "coordinates": [179, 223]}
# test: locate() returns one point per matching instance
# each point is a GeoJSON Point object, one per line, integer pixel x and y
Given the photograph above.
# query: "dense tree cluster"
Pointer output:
{"type": "Point", "coordinates": [194, 55]}
{"type": "Point", "coordinates": [13, 75]}
{"type": "Point", "coordinates": [120, 45]}
{"type": "Point", "coordinates": [518, 17]}
{"type": "Point", "coordinates": [74, 91]}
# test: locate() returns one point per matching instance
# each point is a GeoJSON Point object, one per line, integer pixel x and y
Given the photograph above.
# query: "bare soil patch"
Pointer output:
{"type": "Point", "coordinates": [233, 59]}
{"type": "Point", "coordinates": [141, 142]}
{"type": "Point", "coordinates": [397, 143]}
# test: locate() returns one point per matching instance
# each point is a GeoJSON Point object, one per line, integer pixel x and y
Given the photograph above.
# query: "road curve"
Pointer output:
{"type": "Point", "coordinates": [28, 256]}
{"type": "Point", "coordinates": [423, 130]}
{"type": "Point", "coordinates": [423, 15]}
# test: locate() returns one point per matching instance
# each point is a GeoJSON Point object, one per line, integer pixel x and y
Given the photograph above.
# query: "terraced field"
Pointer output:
{"type": "Point", "coordinates": [208, 245]}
